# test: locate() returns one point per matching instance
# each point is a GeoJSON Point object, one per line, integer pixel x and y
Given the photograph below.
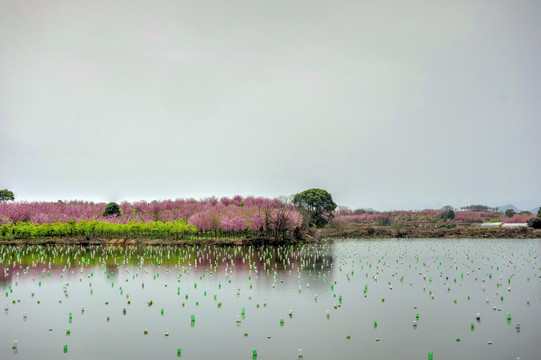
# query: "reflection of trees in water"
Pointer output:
{"type": "Point", "coordinates": [112, 259]}
{"type": "Point", "coordinates": [39, 272]}
{"type": "Point", "coordinates": [5, 280]}
{"type": "Point", "coordinates": [262, 258]}
{"type": "Point", "coordinates": [323, 262]}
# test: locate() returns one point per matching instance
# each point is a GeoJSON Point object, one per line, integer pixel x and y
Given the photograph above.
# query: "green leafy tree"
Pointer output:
{"type": "Point", "coordinates": [317, 204]}
{"type": "Point", "coordinates": [448, 214]}
{"type": "Point", "coordinates": [510, 212]}
{"type": "Point", "coordinates": [539, 213]}
{"type": "Point", "coordinates": [112, 209]}
{"type": "Point", "coordinates": [6, 195]}
{"type": "Point", "coordinates": [535, 223]}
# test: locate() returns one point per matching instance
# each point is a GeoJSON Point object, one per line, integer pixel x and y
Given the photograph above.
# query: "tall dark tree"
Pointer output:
{"type": "Point", "coordinates": [6, 195]}
{"type": "Point", "coordinates": [317, 204]}
{"type": "Point", "coordinates": [112, 209]}
{"type": "Point", "coordinates": [510, 212]}
{"type": "Point", "coordinates": [535, 223]}
{"type": "Point", "coordinates": [448, 214]}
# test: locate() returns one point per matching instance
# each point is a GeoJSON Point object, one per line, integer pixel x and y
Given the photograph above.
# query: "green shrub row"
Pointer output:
{"type": "Point", "coordinates": [89, 229]}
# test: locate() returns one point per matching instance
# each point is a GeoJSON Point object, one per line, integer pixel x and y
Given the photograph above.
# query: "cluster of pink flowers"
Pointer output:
{"type": "Point", "coordinates": [474, 216]}
{"type": "Point", "coordinates": [424, 216]}
{"type": "Point", "coordinates": [224, 214]}
{"type": "Point", "coordinates": [49, 212]}
{"type": "Point", "coordinates": [256, 214]}
{"type": "Point", "coordinates": [367, 217]}
{"type": "Point", "coordinates": [518, 218]}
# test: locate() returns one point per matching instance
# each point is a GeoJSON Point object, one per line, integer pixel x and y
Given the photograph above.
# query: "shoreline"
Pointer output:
{"type": "Point", "coordinates": [461, 231]}
{"type": "Point", "coordinates": [145, 242]}
{"type": "Point", "coordinates": [361, 231]}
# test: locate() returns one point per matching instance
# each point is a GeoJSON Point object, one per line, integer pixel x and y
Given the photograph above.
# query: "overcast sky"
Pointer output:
{"type": "Point", "coordinates": [386, 104]}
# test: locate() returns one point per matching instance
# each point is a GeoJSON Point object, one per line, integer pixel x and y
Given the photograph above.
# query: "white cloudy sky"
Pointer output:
{"type": "Point", "coordinates": [387, 104]}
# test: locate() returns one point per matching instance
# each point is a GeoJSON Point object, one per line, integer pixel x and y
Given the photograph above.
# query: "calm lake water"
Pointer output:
{"type": "Point", "coordinates": [274, 300]}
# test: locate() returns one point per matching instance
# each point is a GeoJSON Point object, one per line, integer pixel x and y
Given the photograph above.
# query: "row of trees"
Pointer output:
{"type": "Point", "coordinates": [225, 217]}
{"type": "Point", "coordinates": [262, 217]}
{"type": "Point", "coordinates": [426, 216]}
{"type": "Point", "coordinates": [479, 207]}
{"type": "Point", "coordinates": [236, 216]}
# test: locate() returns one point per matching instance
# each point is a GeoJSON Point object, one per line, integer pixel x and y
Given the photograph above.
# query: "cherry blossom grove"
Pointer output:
{"type": "Point", "coordinates": [237, 214]}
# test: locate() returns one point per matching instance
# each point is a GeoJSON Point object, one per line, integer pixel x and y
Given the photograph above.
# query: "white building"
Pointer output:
{"type": "Point", "coordinates": [491, 225]}
{"type": "Point", "coordinates": [516, 225]}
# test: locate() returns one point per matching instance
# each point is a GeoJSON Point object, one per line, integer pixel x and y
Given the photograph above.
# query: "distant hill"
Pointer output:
{"type": "Point", "coordinates": [508, 206]}
{"type": "Point", "coordinates": [517, 210]}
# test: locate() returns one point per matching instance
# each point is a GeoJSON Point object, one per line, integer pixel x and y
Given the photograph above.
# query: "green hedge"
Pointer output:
{"type": "Point", "coordinates": [89, 229]}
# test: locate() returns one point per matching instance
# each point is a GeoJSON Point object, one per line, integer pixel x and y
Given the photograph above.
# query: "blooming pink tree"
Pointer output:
{"type": "Point", "coordinates": [237, 200]}
{"type": "Point", "coordinates": [227, 224]}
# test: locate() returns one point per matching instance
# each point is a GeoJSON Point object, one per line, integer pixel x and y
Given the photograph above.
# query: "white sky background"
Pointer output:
{"type": "Point", "coordinates": [386, 104]}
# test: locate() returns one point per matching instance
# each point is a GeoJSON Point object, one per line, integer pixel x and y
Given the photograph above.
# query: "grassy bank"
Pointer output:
{"type": "Point", "coordinates": [181, 233]}
{"type": "Point", "coordinates": [372, 231]}
{"type": "Point", "coordinates": [146, 241]}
